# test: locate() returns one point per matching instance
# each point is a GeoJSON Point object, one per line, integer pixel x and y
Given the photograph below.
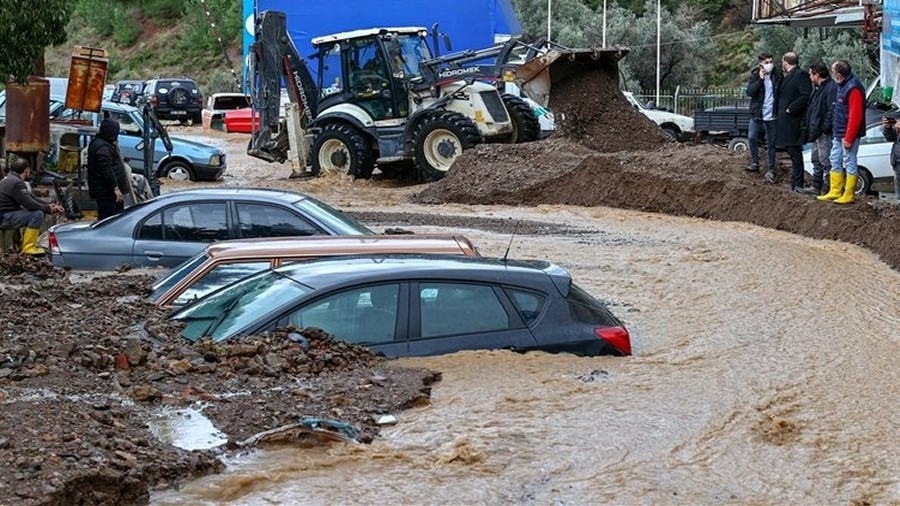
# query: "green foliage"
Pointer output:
{"type": "Point", "coordinates": [162, 10]}
{"type": "Point", "coordinates": [737, 58]}
{"type": "Point", "coordinates": [220, 81]}
{"type": "Point", "coordinates": [126, 28]}
{"type": "Point", "coordinates": [96, 13]}
{"type": "Point", "coordinates": [687, 50]}
{"type": "Point", "coordinates": [825, 46]}
{"type": "Point", "coordinates": [26, 27]}
{"type": "Point", "coordinates": [570, 22]}
{"type": "Point", "coordinates": [198, 36]}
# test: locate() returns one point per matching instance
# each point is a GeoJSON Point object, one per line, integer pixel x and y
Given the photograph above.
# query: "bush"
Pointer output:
{"type": "Point", "coordinates": [198, 36]}
{"type": "Point", "coordinates": [221, 81]}
{"type": "Point", "coordinates": [162, 10]}
{"type": "Point", "coordinates": [126, 28]}
{"type": "Point", "coordinates": [96, 14]}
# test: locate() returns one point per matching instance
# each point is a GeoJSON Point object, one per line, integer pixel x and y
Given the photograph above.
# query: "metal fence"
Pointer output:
{"type": "Point", "coordinates": [687, 100]}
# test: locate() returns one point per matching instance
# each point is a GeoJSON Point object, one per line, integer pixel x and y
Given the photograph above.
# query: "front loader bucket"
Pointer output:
{"type": "Point", "coordinates": [536, 77]}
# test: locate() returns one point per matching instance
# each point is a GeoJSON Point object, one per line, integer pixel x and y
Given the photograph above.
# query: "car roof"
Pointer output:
{"type": "Point", "coordinates": [267, 193]}
{"type": "Point", "coordinates": [337, 244]}
{"type": "Point", "coordinates": [349, 270]}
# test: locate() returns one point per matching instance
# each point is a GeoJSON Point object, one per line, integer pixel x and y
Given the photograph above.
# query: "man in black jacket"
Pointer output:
{"type": "Point", "coordinates": [107, 182]}
{"type": "Point", "coordinates": [819, 118]}
{"type": "Point", "coordinates": [762, 87]}
{"type": "Point", "coordinates": [793, 97]}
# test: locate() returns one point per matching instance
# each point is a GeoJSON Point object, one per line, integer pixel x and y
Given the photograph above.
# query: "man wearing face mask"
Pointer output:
{"type": "Point", "coordinates": [793, 97]}
{"type": "Point", "coordinates": [848, 127]}
{"type": "Point", "coordinates": [762, 88]}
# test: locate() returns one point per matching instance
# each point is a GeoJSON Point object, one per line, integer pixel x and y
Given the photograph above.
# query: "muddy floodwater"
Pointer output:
{"type": "Point", "coordinates": [765, 370]}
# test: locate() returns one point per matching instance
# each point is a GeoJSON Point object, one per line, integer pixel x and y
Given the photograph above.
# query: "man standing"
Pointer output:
{"type": "Point", "coordinates": [793, 97]}
{"type": "Point", "coordinates": [819, 119]}
{"type": "Point", "coordinates": [849, 127]}
{"type": "Point", "coordinates": [762, 88]}
{"type": "Point", "coordinates": [107, 182]}
{"type": "Point", "coordinates": [890, 126]}
{"type": "Point", "coordinates": [18, 208]}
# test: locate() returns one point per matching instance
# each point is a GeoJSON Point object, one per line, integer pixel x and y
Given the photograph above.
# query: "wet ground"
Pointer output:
{"type": "Point", "coordinates": [763, 371]}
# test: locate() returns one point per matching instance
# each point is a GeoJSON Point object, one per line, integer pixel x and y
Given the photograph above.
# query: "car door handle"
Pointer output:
{"type": "Point", "coordinates": [153, 255]}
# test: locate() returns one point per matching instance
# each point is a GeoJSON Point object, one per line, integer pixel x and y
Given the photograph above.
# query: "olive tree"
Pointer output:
{"type": "Point", "coordinates": [26, 28]}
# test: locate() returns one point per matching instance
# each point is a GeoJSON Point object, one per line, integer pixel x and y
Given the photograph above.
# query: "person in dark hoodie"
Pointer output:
{"type": "Point", "coordinates": [106, 175]}
{"type": "Point", "coordinates": [819, 119]}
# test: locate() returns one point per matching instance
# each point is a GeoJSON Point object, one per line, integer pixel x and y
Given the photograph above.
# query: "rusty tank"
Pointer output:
{"type": "Point", "coordinates": [27, 117]}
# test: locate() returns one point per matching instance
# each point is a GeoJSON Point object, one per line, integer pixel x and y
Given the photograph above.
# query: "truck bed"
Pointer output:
{"type": "Point", "coordinates": [732, 121]}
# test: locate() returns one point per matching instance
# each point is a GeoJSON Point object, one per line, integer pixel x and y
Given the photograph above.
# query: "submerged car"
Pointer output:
{"type": "Point", "coordinates": [223, 263]}
{"type": "Point", "coordinates": [218, 104]}
{"type": "Point", "coordinates": [415, 305]}
{"type": "Point", "coordinates": [169, 229]}
{"type": "Point", "coordinates": [873, 159]}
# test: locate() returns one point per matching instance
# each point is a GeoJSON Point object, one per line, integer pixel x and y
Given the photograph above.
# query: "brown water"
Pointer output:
{"type": "Point", "coordinates": [765, 371]}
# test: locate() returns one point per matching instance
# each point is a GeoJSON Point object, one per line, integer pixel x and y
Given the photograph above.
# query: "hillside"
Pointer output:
{"type": "Point", "coordinates": [146, 46]}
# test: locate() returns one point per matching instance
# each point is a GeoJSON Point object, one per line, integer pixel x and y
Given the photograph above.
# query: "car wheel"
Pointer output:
{"type": "Point", "coordinates": [177, 171]}
{"type": "Point", "coordinates": [438, 141]}
{"type": "Point", "coordinates": [739, 144]}
{"type": "Point", "coordinates": [671, 131]}
{"type": "Point", "coordinates": [526, 127]}
{"type": "Point", "coordinates": [864, 183]}
{"type": "Point", "coordinates": [342, 148]}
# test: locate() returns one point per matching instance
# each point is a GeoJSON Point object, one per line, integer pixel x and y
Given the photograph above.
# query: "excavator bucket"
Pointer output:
{"type": "Point", "coordinates": [537, 76]}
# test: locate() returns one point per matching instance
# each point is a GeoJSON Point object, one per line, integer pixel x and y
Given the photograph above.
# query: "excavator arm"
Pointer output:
{"type": "Point", "coordinates": [274, 58]}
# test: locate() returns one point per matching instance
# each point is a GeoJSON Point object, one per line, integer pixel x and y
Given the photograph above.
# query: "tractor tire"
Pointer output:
{"type": "Point", "coordinates": [526, 127]}
{"type": "Point", "coordinates": [439, 139]}
{"type": "Point", "coordinates": [341, 148]}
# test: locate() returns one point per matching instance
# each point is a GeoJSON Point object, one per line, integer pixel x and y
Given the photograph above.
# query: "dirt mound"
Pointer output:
{"type": "Point", "coordinates": [606, 153]}
{"type": "Point", "coordinates": [77, 358]}
{"type": "Point", "coordinates": [590, 109]}
{"type": "Point", "coordinates": [703, 181]}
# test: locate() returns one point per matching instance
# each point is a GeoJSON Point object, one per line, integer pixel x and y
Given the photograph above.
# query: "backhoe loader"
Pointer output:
{"type": "Point", "coordinates": [379, 96]}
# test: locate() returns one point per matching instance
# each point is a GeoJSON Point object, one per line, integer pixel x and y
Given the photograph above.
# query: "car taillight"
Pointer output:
{"type": "Point", "coordinates": [154, 100]}
{"type": "Point", "coordinates": [617, 337]}
{"type": "Point", "coordinates": [54, 244]}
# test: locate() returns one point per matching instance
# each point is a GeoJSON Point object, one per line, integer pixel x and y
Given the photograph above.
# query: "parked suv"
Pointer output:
{"type": "Point", "coordinates": [127, 92]}
{"type": "Point", "coordinates": [175, 98]}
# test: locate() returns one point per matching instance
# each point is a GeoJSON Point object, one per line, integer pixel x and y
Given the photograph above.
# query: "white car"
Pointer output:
{"type": "Point", "coordinates": [874, 160]}
{"type": "Point", "coordinates": [673, 124]}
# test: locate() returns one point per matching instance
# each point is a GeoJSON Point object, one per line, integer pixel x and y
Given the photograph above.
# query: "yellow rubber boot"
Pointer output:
{"type": "Point", "coordinates": [29, 242]}
{"type": "Point", "coordinates": [849, 190]}
{"type": "Point", "coordinates": [836, 180]}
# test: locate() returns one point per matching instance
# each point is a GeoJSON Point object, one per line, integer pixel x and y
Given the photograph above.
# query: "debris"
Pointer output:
{"type": "Point", "coordinates": [386, 420]}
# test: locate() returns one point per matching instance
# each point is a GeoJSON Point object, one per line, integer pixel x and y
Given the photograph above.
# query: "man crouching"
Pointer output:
{"type": "Point", "coordinates": [19, 208]}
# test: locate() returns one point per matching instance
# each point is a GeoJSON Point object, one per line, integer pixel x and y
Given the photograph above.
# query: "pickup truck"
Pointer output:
{"type": "Point", "coordinates": [726, 125]}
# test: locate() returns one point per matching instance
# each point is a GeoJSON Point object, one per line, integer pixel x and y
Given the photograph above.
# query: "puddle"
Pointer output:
{"type": "Point", "coordinates": [188, 429]}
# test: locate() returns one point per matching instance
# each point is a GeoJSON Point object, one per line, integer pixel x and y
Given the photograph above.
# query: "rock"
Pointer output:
{"type": "Point", "coordinates": [122, 362]}
{"type": "Point", "coordinates": [134, 351]}
{"type": "Point", "coordinates": [244, 350]}
{"type": "Point", "coordinates": [386, 420]}
{"type": "Point", "coordinates": [180, 366]}
{"type": "Point", "coordinates": [4, 443]}
{"type": "Point", "coordinates": [145, 393]}
{"type": "Point", "coordinates": [276, 361]}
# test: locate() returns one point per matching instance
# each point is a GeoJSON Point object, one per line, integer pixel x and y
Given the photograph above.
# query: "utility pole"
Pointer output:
{"type": "Point", "coordinates": [658, 45]}
{"type": "Point", "coordinates": [549, 9]}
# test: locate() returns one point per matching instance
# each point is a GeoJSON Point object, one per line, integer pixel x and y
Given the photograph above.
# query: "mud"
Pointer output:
{"type": "Point", "coordinates": [85, 366]}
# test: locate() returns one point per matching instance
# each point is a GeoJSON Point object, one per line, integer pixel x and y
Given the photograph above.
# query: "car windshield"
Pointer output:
{"type": "Point", "coordinates": [165, 282]}
{"type": "Point", "coordinates": [331, 217]}
{"type": "Point", "coordinates": [226, 311]}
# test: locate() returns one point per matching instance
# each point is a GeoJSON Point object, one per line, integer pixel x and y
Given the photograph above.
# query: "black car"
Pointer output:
{"type": "Point", "coordinates": [416, 305]}
{"type": "Point", "coordinates": [127, 92]}
{"type": "Point", "coordinates": [175, 98]}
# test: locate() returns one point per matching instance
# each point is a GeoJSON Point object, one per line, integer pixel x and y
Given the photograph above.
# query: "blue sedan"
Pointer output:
{"type": "Point", "coordinates": [416, 305]}
{"type": "Point", "coordinates": [169, 229]}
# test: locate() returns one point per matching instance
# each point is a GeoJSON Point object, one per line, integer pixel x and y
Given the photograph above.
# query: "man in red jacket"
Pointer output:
{"type": "Point", "coordinates": [848, 127]}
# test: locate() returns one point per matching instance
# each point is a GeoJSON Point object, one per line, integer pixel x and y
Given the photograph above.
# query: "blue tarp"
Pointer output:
{"type": "Point", "coordinates": [471, 24]}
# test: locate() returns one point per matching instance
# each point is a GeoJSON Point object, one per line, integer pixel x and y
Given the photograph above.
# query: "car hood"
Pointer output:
{"type": "Point", "coordinates": [685, 123]}
{"type": "Point", "coordinates": [181, 145]}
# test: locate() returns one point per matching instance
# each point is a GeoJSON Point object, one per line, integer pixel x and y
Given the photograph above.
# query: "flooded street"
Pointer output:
{"type": "Point", "coordinates": [764, 370]}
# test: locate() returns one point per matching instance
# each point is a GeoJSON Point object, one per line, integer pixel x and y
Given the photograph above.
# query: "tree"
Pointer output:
{"type": "Point", "coordinates": [26, 28]}
{"type": "Point", "coordinates": [825, 45]}
{"type": "Point", "coordinates": [687, 51]}
{"type": "Point", "coordinates": [570, 20]}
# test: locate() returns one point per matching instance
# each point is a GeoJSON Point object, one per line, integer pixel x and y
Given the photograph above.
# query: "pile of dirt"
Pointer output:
{"type": "Point", "coordinates": [590, 109]}
{"type": "Point", "coordinates": [607, 154]}
{"type": "Point", "coordinates": [81, 375]}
